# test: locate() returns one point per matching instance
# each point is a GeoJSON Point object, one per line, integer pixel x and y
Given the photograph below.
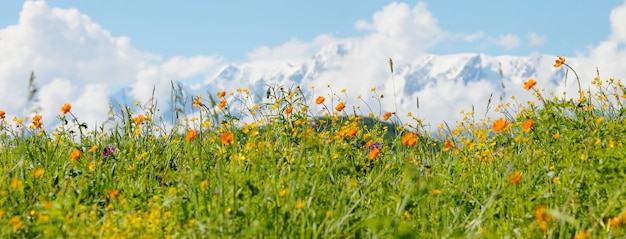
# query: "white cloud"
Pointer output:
{"type": "Point", "coordinates": [618, 24]}
{"type": "Point", "coordinates": [535, 39]}
{"type": "Point", "coordinates": [75, 60]}
{"type": "Point", "coordinates": [509, 41]}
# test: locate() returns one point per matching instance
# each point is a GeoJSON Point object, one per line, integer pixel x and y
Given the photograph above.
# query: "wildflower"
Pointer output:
{"type": "Point", "coordinates": [114, 193]}
{"type": "Point", "coordinates": [37, 121]}
{"type": "Point", "coordinates": [582, 235]}
{"type": "Point", "coordinates": [374, 153]}
{"type": "Point", "coordinates": [340, 106]}
{"type": "Point", "coordinates": [138, 120]}
{"type": "Point", "coordinates": [542, 217]}
{"type": "Point", "coordinates": [499, 125]}
{"type": "Point", "coordinates": [203, 184]}
{"type": "Point", "coordinates": [2, 114]}
{"type": "Point", "coordinates": [227, 210]}
{"type": "Point", "coordinates": [282, 193]}
{"type": "Point", "coordinates": [66, 108]}
{"type": "Point", "coordinates": [559, 61]}
{"type": "Point", "coordinates": [289, 110]}
{"type": "Point", "coordinates": [319, 100]}
{"type": "Point", "coordinates": [16, 222]}
{"type": "Point", "coordinates": [75, 155]}
{"type": "Point", "coordinates": [515, 178]}
{"type": "Point", "coordinates": [409, 139]}
{"type": "Point", "coordinates": [387, 115]}
{"type": "Point", "coordinates": [221, 94]}
{"type": "Point", "coordinates": [191, 134]}
{"type": "Point", "coordinates": [38, 173]}
{"type": "Point", "coordinates": [300, 204]}
{"type": "Point", "coordinates": [15, 183]}
{"type": "Point", "coordinates": [196, 102]}
{"type": "Point", "coordinates": [529, 124]}
{"type": "Point", "coordinates": [529, 84]}
{"type": "Point", "coordinates": [108, 151]}
{"type": "Point", "coordinates": [222, 104]}
{"type": "Point", "coordinates": [435, 192]}
{"type": "Point", "coordinates": [92, 166]}
{"type": "Point", "coordinates": [447, 145]}
{"type": "Point", "coordinates": [227, 138]}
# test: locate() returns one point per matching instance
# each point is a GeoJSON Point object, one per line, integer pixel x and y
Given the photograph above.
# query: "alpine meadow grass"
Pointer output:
{"type": "Point", "coordinates": [550, 168]}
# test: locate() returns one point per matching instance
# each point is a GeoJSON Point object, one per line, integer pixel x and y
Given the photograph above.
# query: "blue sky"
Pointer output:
{"type": "Point", "coordinates": [231, 29]}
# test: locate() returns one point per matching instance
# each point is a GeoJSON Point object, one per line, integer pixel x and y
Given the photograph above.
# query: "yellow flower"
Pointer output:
{"type": "Point", "coordinates": [191, 134]}
{"type": "Point", "coordinates": [499, 125]}
{"type": "Point", "coordinates": [300, 204]}
{"type": "Point", "coordinates": [282, 193]}
{"type": "Point", "coordinates": [196, 102]}
{"type": "Point", "coordinates": [38, 173]}
{"type": "Point", "coordinates": [114, 193]}
{"type": "Point", "coordinates": [529, 84]}
{"type": "Point", "coordinates": [16, 222]}
{"type": "Point", "coordinates": [66, 108]}
{"type": "Point", "coordinates": [320, 100]}
{"type": "Point", "coordinates": [542, 217]}
{"type": "Point", "coordinates": [75, 155]}
{"type": "Point", "coordinates": [15, 183]}
{"type": "Point", "coordinates": [559, 61]}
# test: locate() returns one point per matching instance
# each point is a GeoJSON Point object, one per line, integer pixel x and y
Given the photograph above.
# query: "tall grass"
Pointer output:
{"type": "Point", "coordinates": [550, 168]}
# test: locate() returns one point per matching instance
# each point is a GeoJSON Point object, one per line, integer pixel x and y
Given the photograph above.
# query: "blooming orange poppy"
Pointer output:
{"type": "Point", "coordinates": [191, 134]}
{"type": "Point", "coordinates": [409, 139]}
{"type": "Point", "coordinates": [387, 115]}
{"type": "Point", "coordinates": [340, 106]}
{"type": "Point", "coordinates": [529, 84]}
{"type": "Point", "coordinates": [374, 153]}
{"type": "Point", "coordinates": [37, 121]}
{"type": "Point", "coordinates": [320, 100]}
{"type": "Point", "coordinates": [221, 94]}
{"type": "Point", "coordinates": [559, 61]}
{"type": "Point", "coordinates": [75, 155]}
{"type": "Point", "coordinates": [2, 114]}
{"type": "Point", "coordinates": [139, 119]}
{"type": "Point", "coordinates": [289, 110]}
{"type": "Point", "coordinates": [222, 104]}
{"type": "Point", "coordinates": [66, 108]}
{"type": "Point", "coordinates": [528, 125]}
{"type": "Point", "coordinates": [499, 125]}
{"type": "Point", "coordinates": [447, 145]}
{"type": "Point", "coordinates": [515, 178]}
{"type": "Point", "coordinates": [227, 138]}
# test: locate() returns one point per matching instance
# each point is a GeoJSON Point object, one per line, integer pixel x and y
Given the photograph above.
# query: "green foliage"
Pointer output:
{"type": "Point", "coordinates": [554, 169]}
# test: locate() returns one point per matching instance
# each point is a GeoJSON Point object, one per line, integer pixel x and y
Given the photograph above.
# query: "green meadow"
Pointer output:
{"type": "Point", "coordinates": [553, 167]}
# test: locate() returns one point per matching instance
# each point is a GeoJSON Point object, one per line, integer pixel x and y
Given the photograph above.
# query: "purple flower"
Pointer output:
{"type": "Point", "coordinates": [375, 145]}
{"type": "Point", "coordinates": [108, 151]}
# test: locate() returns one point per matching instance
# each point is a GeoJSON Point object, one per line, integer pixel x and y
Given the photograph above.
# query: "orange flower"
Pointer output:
{"type": "Point", "coordinates": [529, 84]}
{"type": "Point", "coordinates": [2, 114]}
{"type": "Point", "coordinates": [227, 137]}
{"type": "Point", "coordinates": [75, 155]}
{"type": "Point", "coordinates": [38, 173]}
{"type": "Point", "coordinates": [320, 100]}
{"type": "Point", "coordinates": [222, 104]}
{"type": "Point", "coordinates": [582, 235]}
{"type": "Point", "coordinates": [139, 119]}
{"type": "Point", "coordinates": [191, 134]}
{"type": "Point", "coordinates": [409, 139]}
{"type": "Point", "coordinates": [340, 106]}
{"type": "Point", "coordinates": [499, 125]}
{"type": "Point", "coordinates": [559, 61]}
{"type": "Point", "coordinates": [515, 178]}
{"type": "Point", "coordinates": [66, 108]}
{"type": "Point", "coordinates": [196, 102]}
{"type": "Point", "coordinates": [289, 110]}
{"type": "Point", "coordinates": [447, 145]}
{"type": "Point", "coordinates": [374, 153]}
{"type": "Point", "coordinates": [300, 204]}
{"type": "Point", "coordinates": [114, 193]}
{"type": "Point", "coordinates": [529, 124]}
{"type": "Point", "coordinates": [542, 217]}
{"type": "Point", "coordinates": [37, 121]}
{"type": "Point", "coordinates": [387, 115]}
{"type": "Point", "coordinates": [221, 94]}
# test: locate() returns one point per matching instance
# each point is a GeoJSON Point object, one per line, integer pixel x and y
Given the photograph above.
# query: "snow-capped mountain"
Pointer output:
{"type": "Point", "coordinates": [444, 84]}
